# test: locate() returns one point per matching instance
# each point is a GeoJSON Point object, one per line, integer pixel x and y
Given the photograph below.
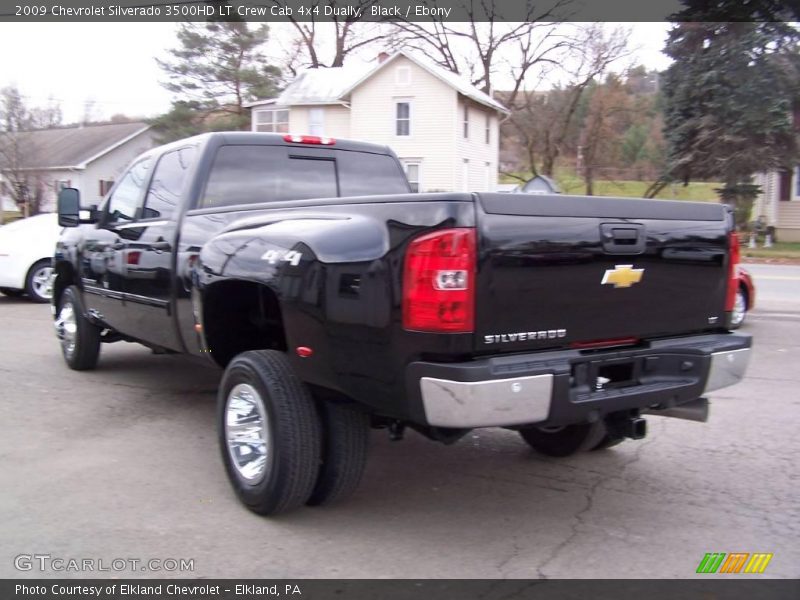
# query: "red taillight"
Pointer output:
{"type": "Point", "coordinates": [309, 139]}
{"type": "Point", "coordinates": [439, 282]}
{"type": "Point", "coordinates": [733, 280]}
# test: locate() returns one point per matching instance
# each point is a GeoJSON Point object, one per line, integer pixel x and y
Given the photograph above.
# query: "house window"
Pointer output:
{"type": "Point", "coordinates": [402, 75]}
{"type": "Point", "coordinates": [784, 185]}
{"type": "Point", "coordinates": [105, 186]}
{"type": "Point", "coordinates": [797, 182]}
{"type": "Point", "coordinates": [412, 169]}
{"type": "Point", "coordinates": [316, 121]}
{"type": "Point", "coordinates": [274, 120]}
{"type": "Point", "coordinates": [488, 129]}
{"type": "Point", "coordinates": [403, 118]}
{"type": "Point", "coordinates": [466, 121]}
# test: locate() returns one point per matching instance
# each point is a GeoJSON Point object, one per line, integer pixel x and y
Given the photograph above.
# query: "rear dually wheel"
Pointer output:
{"type": "Point", "coordinates": [269, 432]}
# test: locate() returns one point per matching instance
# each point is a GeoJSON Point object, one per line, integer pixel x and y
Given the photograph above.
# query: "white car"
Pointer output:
{"type": "Point", "coordinates": [26, 252]}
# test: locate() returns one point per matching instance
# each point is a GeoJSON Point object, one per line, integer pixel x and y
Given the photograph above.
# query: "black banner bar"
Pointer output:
{"type": "Point", "coordinates": [738, 588]}
{"type": "Point", "coordinates": [341, 10]}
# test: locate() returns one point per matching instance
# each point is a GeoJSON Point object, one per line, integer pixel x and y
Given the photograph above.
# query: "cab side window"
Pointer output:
{"type": "Point", "coordinates": [168, 183]}
{"type": "Point", "coordinates": [126, 199]}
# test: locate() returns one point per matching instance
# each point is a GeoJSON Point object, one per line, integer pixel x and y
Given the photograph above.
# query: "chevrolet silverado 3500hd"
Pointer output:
{"type": "Point", "coordinates": [336, 300]}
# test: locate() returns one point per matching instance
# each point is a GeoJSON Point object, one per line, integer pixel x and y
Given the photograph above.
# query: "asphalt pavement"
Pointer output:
{"type": "Point", "coordinates": [122, 464]}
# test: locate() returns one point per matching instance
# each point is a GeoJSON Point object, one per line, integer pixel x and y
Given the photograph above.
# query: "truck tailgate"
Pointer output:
{"type": "Point", "coordinates": [556, 271]}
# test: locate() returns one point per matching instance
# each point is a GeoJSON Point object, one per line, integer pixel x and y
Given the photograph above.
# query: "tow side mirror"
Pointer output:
{"type": "Point", "coordinates": [69, 207]}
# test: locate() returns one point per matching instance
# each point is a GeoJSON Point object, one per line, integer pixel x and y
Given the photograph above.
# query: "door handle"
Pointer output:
{"type": "Point", "coordinates": [623, 238]}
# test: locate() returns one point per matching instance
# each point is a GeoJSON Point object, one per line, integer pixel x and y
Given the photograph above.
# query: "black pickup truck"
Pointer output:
{"type": "Point", "coordinates": [336, 300]}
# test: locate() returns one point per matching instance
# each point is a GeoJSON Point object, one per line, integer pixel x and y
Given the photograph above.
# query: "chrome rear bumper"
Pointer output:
{"type": "Point", "coordinates": [727, 368]}
{"type": "Point", "coordinates": [486, 403]}
{"type": "Point", "coordinates": [673, 373]}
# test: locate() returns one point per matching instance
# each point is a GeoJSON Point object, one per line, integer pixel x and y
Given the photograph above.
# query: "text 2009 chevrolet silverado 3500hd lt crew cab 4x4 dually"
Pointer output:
{"type": "Point", "coordinates": [336, 300]}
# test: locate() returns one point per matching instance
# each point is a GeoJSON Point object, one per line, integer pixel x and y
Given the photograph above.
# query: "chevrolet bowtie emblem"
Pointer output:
{"type": "Point", "coordinates": [622, 276]}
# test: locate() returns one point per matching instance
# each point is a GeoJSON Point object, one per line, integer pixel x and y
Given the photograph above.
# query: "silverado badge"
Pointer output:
{"type": "Point", "coordinates": [622, 276]}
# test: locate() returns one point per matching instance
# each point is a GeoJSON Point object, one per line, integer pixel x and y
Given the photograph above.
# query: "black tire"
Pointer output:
{"type": "Point", "coordinates": [81, 347]}
{"type": "Point", "coordinates": [292, 432]}
{"type": "Point", "coordinates": [35, 287]}
{"type": "Point", "coordinates": [564, 441]}
{"type": "Point", "coordinates": [11, 292]}
{"type": "Point", "coordinates": [608, 442]}
{"type": "Point", "coordinates": [345, 433]}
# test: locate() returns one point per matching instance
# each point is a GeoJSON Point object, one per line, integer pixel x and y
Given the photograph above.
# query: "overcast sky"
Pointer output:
{"type": "Point", "coordinates": [112, 64]}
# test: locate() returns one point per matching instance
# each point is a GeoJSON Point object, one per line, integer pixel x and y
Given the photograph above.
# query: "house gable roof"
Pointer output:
{"type": "Point", "coordinates": [76, 146]}
{"type": "Point", "coordinates": [332, 85]}
{"type": "Point", "coordinates": [320, 86]}
{"type": "Point", "coordinates": [455, 81]}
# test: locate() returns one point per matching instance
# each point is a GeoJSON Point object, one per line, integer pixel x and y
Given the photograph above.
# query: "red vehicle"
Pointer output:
{"type": "Point", "coordinates": [745, 297]}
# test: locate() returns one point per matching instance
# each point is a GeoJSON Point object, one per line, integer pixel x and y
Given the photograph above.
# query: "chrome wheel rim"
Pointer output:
{"type": "Point", "coordinates": [67, 328]}
{"type": "Point", "coordinates": [41, 282]}
{"type": "Point", "coordinates": [246, 432]}
{"type": "Point", "coordinates": [739, 309]}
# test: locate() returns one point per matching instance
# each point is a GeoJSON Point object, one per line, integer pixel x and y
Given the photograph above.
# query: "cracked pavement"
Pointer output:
{"type": "Point", "coordinates": [123, 462]}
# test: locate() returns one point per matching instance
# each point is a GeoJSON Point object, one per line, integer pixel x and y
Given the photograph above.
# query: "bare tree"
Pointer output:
{"type": "Point", "coordinates": [608, 113]}
{"type": "Point", "coordinates": [545, 122]}
{"type": "Point", "coordinates": [488, 45]}
{"type": "Point", "coordinates": [313, 45]}
{"type": "Point", "coordinates": [19, 155]}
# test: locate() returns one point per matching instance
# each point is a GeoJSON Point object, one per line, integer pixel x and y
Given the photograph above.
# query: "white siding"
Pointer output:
{"type": "Point", "coordinates": [111, 166]}
{"type": "Point", "coordinates": [767, 201]}
{"type": "Point", "coordinates": [475, 149]}
{"type": "Point", "coordinates": [108, 167]}
{"type": "Point", "coordinates": [789, 215]}
{"type": "Point", "coordinates": [336, 119]}
{"type": "Point", "coordinates": [432, 139]}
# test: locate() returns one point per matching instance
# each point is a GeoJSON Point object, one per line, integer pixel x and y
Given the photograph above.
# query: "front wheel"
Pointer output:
{"type": "Point", "coordinates": [269, 431]}
{"type": "Point", "coordinates": [79, 337]}
{"type": "Point", "coordinates": [566, 440]}
{"type": "Point", "coordinates": [38, 284]}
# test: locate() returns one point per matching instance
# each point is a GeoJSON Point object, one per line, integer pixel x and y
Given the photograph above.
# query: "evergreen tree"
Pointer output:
{"type": "Point", "coordinates": [217, 67]}
{"type": "Point", "coordinates": [729, 96]}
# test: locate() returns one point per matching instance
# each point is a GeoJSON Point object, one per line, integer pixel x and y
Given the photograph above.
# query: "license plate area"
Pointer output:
{"type": "Point", "coordinates": [600, 375]}
{"type": "Point", "coordinates": [614, 374]}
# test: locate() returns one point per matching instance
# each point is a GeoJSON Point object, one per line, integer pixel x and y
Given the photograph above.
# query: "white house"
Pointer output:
{"type": "Point", "coordinates": [444, 130]}
{"type": "Point", "coordinates": [87, 157]}
{"type": "Point", "coordinates": [779, 202]}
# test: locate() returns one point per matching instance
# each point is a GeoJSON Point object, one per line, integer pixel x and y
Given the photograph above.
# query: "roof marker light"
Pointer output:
{"type": "Point", "coordinates": [308, 139]}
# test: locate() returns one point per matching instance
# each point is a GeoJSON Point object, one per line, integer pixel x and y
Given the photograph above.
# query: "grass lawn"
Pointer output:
{"type": "Point", "coordinates": [571, 184]}
{"type": "Point", "coordinates": [778, 250]}
{"type": "Point", "coordinates": [700, 191]}
{"type": "Point", "coordinates": [10, 216]}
